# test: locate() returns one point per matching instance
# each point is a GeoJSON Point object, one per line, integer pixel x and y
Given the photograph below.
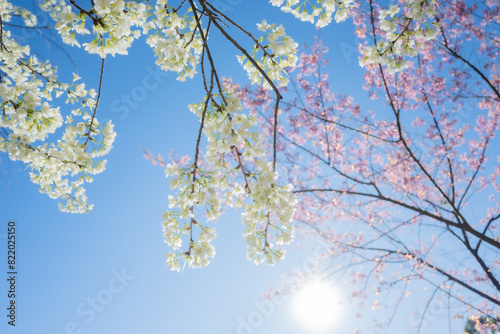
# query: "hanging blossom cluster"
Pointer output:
{"type": "Point", "coordinates": [278, 53]}
{"type": "Point", "coordinates": [234, 147]}
{"type": "Point", "coordinates": [27, 89]}
{"type": "Point", "coordinates": [115, 24]}
{"type": "Point", "coordinates": [175, 41]}
{"type": "Point", "coordinates": [322, 10]}
{"type": "Point", "coordinates": [402, 36]}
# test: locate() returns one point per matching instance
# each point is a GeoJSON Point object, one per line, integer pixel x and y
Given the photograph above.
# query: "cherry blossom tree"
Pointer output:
{"type": "Point", "coordinates": [235, 169]}
{"type": "Point", "coordinates": [288, 148]}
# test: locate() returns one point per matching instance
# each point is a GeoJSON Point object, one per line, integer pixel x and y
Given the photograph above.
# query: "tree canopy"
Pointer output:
{"type": "Point", "coordinates": [392, 190]}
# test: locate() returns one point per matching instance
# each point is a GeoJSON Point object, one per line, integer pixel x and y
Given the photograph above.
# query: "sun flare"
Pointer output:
{"type": "Point", "coordinates": [316, 306]}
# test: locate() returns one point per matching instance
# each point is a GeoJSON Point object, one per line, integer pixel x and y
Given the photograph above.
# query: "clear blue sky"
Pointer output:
{"type": "Point", "coordinates": [104, 272]}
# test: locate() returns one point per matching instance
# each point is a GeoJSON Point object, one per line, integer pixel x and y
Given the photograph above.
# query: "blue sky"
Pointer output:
{"type": "Point", "coordinates": [104, 272]}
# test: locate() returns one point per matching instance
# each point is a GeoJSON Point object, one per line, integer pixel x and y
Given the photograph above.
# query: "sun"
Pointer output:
{"type": "Point", "coordinates": [316, 306]}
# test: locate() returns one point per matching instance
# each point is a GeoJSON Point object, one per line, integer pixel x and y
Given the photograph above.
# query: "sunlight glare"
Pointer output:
{"type": "Point", "coordinates": [317, 306]}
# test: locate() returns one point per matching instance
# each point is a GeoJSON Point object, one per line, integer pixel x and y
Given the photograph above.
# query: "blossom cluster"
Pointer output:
{"type": "Point", "coordinates": [181, 221]}
{"type": "Point", "coordinates": [115, 24]}
{"type": "Point", "coordinates": [322, 10]}
{"type": "Point", "coordinates": [234, 146]}
{"type": "Point", "coordinates": [29, 121]}
{"type": "Point", "coordinates": [278, 53]}
{"type": "Point", "coordinates": [402, 35]}
{"type": "Point", "coordinates": [175, 41]}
